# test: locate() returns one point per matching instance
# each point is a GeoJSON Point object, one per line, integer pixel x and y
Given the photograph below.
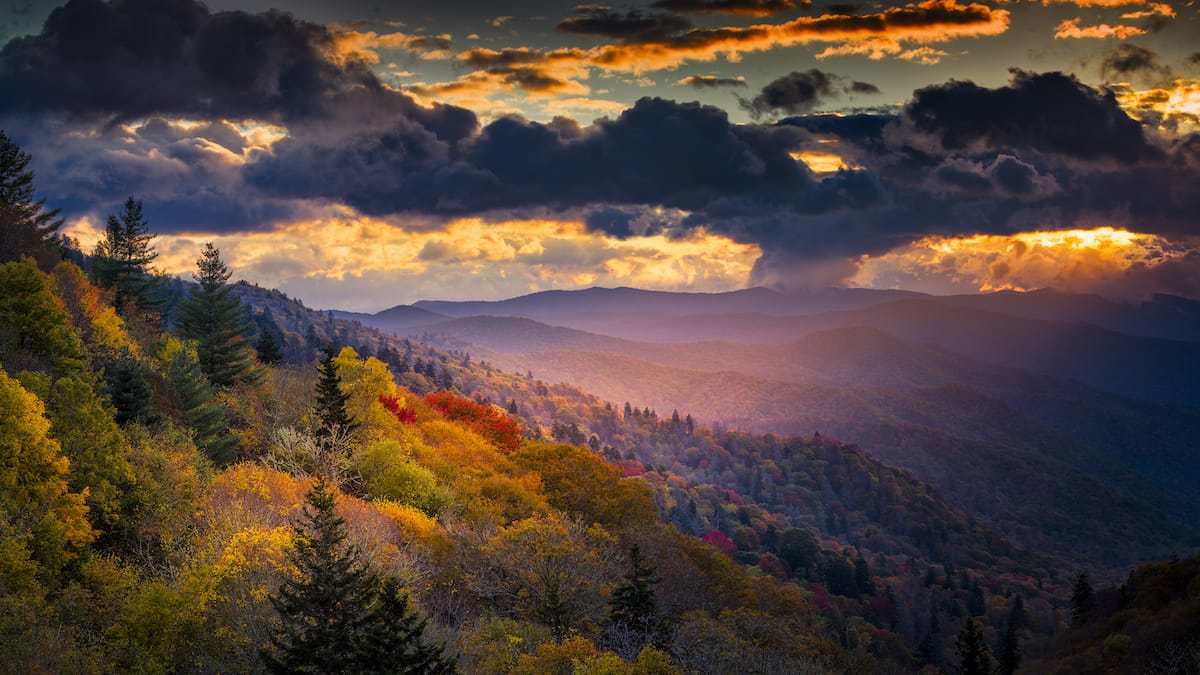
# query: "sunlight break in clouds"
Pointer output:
{"type": "Point", "coordinates": [1074, 260]}
{"type": "Point", "coordinates": [342, 259]}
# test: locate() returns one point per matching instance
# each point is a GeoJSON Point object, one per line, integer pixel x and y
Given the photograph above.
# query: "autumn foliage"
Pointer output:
{"type": "Point", "coordinates": [405, 414]}
{"type": "Point", "coordinates": [498, 428]}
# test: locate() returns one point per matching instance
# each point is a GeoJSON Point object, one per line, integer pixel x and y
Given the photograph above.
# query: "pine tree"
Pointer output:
{"type": "Point", "coordinates": [394, 639]}
{"type": "Point", "coordinates": [1010, 652]}
{"type": "Point", "coordinates": [331, 400]}
{"type": "Point", "coordinates": [973, 656]}
{"type": "Point", "coordinates": [267, 347]}
{"type": "Point", "coordinates": [633, 621]}
{"type": "Point", "coordinates": [130, 392]}
{"type": "Point", "coordinates": [26, 227]}
{"type": "Point", "coordinates": [325, 612]}
{"type": "Point", "coordinates": [122, 260]}
{"type": "Point", "coordinates": [219, 324]}
{"type": "Point", "coordinates": [204, 417]}
{"type": "Point", "coordinates": [338, 616]}
{"type": "Point", "coordinates": [1083, 600]}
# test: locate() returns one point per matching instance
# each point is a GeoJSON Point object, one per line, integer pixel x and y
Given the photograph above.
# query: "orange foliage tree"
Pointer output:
{"type": "Point", "coordinates": [485, 420]}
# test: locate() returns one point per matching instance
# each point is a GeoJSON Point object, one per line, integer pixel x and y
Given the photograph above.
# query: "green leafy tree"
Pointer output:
{"type": "Point", "coordinates": [122, 260]}
{"type": "Point", "coordinates": [1083, 600]}
{"type": "Point", "coordinates": [26, 227]}
{"type": "Point", "coordinates": [972, 651]}
{"type": "Point", "coordinates": [332, 414]}
{"type": "Point", "coordinates": [219, 324]}
{"type": "Point", "coordinates": [35, 328]}
{"type": "Point", "coordinates": [337, 616]}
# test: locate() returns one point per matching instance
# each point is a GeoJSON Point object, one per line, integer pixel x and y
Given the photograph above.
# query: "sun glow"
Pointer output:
{"type": "Point", "coordinates": [1075, 259]}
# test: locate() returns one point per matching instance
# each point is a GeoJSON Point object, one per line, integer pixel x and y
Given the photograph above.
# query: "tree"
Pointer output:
{"type": "Point", "coordinates": [633, 620]}
{"type": "Point", "coordinates": [122, 260]}
{"type": "Point", "coordinates": [130, 392]}
{"type": "Point", "coordinates": [331, 399]}
{"type": "Point", "coordinates": [1083, 600]}
{"type": "Point", "coordinates": [973, 656]}
{"type": "Point", "coordinates": [26, 227]}
{"type": "Point", "coordinates": [1010, 652]}
{"type": "Point", "coordinates": [338, 616]}
{"type": "Point", "coordinates": [219, 324]}
{"type": "Point", "coordinates": [204, 416]}
{"type": "Point", "coordinates": [267, 346]}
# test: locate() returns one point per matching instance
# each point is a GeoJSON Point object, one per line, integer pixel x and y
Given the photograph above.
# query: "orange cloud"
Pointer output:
{"type": "Point", "coordinates": [1174, 107]}
{"type": "Point", "coordinates": [891, 32]}
{"type": "Point", "coordinates": [351, 45]}
{"type": "Point", "coordinates": [1154, 9]}
{"type": "Point", "coordinates": [1078, 260]}
{"type": "Point", "coordinates": [1070, 29]}
{"type": "Point", "coordinates": [341, 258]}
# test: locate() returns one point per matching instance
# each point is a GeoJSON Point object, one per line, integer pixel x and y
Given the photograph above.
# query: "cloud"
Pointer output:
{"type": "Point", "coordinates": [743, 7]}
{"type": "Point", "coordinates": [1129, 60]}
{"type": "Point", "coordinates": [710, 81]}
{"type": "Point", "coordinates": [800, 92]}
{"type": "Point", "coordinates": [630, 26]}
{"type": "Point", "coordinates": [1071, 30]}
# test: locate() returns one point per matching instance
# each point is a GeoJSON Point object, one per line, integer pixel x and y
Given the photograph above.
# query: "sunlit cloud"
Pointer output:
{"type": "Point", "coordinates": [822, 162]}
{"type": "Point", "coordinates": [1153, 9]}
{"type": "Point", "coordinates": [1173, 108]}
{"type": "Point", "coordinates": [1071, 30]}
{"type": "Point", "coordinates": [349, 46]}
{"type": "Point", "coordinates": [340, 258]}
{"type": "Point", "coordinates": [1102, 258]}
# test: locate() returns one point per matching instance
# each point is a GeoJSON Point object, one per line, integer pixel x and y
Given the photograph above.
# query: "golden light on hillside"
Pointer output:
{"type": "Point", "coordinates": [340, 249]}
{"type": "Point", "coordinates": [1075, 259]}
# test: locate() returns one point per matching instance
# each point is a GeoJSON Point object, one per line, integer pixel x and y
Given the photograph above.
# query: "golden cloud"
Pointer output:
{"type": "Point", "coordinates": [1074, 260]}
{"type": "Point", "coordinates": [1173, 108]}
{"type": "Point", "coordinates": [340, 248]}
{"type": "Point", "coordinates": [1071, 30]}
{"type": "Point", "coordinates": [898, 31]}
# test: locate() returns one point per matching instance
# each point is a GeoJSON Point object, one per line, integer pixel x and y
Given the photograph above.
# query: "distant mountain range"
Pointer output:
{"type": "Point", "coordinates": [1041, 412]}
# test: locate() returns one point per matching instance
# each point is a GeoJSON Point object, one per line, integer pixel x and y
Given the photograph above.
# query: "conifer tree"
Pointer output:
{"type": "Point", "coordinates": [26, 227]}
{"type": "Point", "coordinates": [267, 346]}
{"type": "Point", "coordinates": [1010, 652]}
{"type": "Point", "coordinates": [204, 417]}
{"type": "Point", "coordinates": [331, 400]}
{"type": "Point", "coordinates": [219, 324]}
{"type": "Point", "coordinates": [1083, 600]}
{"type": "Point", "coordinates": [324, 612]}
{"type": "Point", "coordinates": [338, 616]}
{"type": "Point", "coordinates": [973, 656]}
{"type": "Point", "coordinates": [633, 620]}
{"type": "Point", "coordinates": [130, 392]}
{"type": "Point", "coordinates": [122, 260]}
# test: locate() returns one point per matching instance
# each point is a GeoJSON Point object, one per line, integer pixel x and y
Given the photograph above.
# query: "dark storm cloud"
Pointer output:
{"type": "Point", "coordinates": [746, 7]}
{"type": "Point", "coordinates": [1049, 113]}
{"type": "Point", "coordinates": [1129, 60]}
{"type": "Point", "coordinates": [800, 92]}
{"type": "Point", "coordinates": [630, 26]}
{"type": "Point", "coordinates": [711, 82]}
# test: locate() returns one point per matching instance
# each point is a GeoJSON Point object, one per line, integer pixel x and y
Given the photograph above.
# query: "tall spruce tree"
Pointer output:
{"type": "Point", "coordinates": [972, 651]}
{"type": "Point", "coordinates": [122, 260]}
{"type": "Point", "coordinates": [27, 228]}
{"type": "Point", "coordinates": [338, 616]}
{"type": "Point", "coordinates": [331, 410]}
{"type": "Point", "coordinates": [204, 416]}
{"type": "Point", "coordinates": [633, 620]}
{"type": "Point", "coordinates": [1083, 600]}
{"type": "Point", "coordinates": [219, 324]}
{"type": "Point", "coordinates": [267, 345]}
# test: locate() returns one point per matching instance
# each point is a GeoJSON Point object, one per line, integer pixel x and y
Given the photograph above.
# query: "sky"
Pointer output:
{"type": "Point", "coordinates": [360, 155]}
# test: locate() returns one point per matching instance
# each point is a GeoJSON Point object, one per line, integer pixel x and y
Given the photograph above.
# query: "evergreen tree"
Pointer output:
{"type": "Point", "coordinates": [325, 612]}
{"type": "Point", "coordinates": [130, 392]}
{"type": "Point", "coordinates": [338, 616]}
{"type": "Point", "coordinates": [122, 260]}
{"type": "Point", "coordinates": [267, 347]}
{"type": "Point", "coordinates": [1083, 600]}
{"type": "Point", "coordinates": [394, 639]}
{"type": "Point", "coordinates": [219, 324]}
{"type": "Point", "coordinates": [973, 656]}
{"type": "Point", "coordinates": [203, 415]}
{"type": "Point", "coordinates": [331, 400]}
{"type": "Point", "coordinates": [26, 227]}
{"type": "Point", "coordinates": [1010, 652]}
{"type": "Point", "coordinates": [633, 620]}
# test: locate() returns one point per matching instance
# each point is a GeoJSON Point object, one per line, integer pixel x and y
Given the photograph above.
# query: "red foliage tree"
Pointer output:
{"type": "Point", "coordinates": [487, 421]}
{"type": "Point", "coordinates": [404, 414]}
{"type": "Point", "coordinates": [723, 544]}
